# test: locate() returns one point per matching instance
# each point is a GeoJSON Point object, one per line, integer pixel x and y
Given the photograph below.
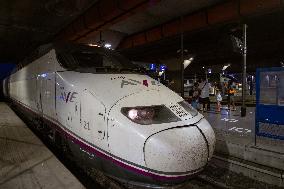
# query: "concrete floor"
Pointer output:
{"type": "Point", "coordinates": [230, 123]}
{"type": "Point", "coordinates": [25, 162]}
{"type": "Point", "coordinates": [236, 137]}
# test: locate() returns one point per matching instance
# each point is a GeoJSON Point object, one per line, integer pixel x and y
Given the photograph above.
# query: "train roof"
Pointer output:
{"type": "Point", "coordinates": [63, 47]}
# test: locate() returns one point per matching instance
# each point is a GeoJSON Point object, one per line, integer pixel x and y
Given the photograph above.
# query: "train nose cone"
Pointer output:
{"type": "Point", "coordinates": [176, 150]}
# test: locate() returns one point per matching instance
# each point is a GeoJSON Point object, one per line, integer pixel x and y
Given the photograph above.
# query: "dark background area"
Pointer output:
{"type": "Point", "coordinates": [5, 70]}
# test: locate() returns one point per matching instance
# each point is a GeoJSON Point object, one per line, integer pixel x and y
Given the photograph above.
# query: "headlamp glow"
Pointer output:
{"type": "Point", "coordinates": [146, 115]}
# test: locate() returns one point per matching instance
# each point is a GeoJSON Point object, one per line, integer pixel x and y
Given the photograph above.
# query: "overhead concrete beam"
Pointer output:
{"type": "Point", "coordinates": [258, 6]}
{"type": "Point", "coordinates": [230, 11]}
{"type": "Point", "coordinates": [224, 12]}
{"type": "Point", "coordinates": [100, 17]}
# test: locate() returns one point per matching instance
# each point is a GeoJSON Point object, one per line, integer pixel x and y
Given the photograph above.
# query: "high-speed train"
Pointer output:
{"type": "Point", "coordinates": [104, 111]}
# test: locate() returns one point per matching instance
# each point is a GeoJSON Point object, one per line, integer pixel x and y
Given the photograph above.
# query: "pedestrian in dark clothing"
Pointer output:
{"type": "Point", "coordinates": [231, 94]}
{"type": "Point", "coordinates": [195, 96]}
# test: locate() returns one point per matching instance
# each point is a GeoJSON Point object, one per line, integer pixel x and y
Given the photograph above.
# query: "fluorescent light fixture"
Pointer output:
{"type": "Point", "coordinates": [93, 45]}
{"type": "Point", "coordinates": [107, 45]}
{"type": "Point", "coordinates": [226, 66]}
{"type": "Point", "coordinates": [187, 62]}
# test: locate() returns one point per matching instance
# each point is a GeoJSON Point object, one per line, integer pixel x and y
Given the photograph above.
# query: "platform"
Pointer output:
{"type": "Point", "coordinates": [232, 129]}
{"type": "Point", "coordinates": [235, 138]}
{"type": "Point", "coordinates": [25, 162]}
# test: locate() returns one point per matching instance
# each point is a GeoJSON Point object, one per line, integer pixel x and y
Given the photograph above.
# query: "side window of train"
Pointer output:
{"type": "Point", "coordinates": [90, 60]}
{"type": "Point", "coordinates": [61, 60]}
{"type": "Point", "coordinates": [66, 61]}
{"type": "Point", "coordinates": [82, 60]}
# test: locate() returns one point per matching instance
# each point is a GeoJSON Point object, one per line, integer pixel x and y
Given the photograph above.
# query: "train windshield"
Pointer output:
{"type": "Point", "coordinates": [96, 60]}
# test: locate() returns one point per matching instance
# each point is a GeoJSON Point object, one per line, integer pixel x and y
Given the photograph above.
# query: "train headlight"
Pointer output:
{"type": "Point", "coordinates": [188, 108]}
{"type": "Point", "coordinates": [146, 115]}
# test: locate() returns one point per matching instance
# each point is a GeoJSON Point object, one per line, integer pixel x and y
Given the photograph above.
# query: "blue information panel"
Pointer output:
{"type": "Point", "coordinates": [152, 67]}
{"type": "Point", "coordinates": [269, 118]}
{"type": "Point", "coordinates": [163, 67]}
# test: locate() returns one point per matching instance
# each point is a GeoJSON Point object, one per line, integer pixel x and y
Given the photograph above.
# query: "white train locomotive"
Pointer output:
{"type": "Point", "coordinates": [112, 116]}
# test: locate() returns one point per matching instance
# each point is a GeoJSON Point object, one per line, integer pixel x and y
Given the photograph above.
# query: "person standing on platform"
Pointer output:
{"type": "Point", "coordinates": [231, 94]}
{"type": "Point", "coordinates": [218, 99]}
{"type": "Point", "coordinates": [195, 96]}
{"type": "Point", "coordinates": [204, 94]}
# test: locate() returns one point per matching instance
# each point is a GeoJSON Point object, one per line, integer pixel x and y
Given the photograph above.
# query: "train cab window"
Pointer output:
{"type": "Point", "coordinates": [85, 59]}
{"type": "Point", "coordinates": [92, 61]}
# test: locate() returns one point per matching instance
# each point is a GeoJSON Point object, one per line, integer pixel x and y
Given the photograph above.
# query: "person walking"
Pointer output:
{"type": "Point", "coordinates": [204, 94]}
{"type": "Point", "coordinates": [195, 96]}
{"type": "Point", "coordinates": [218, 99]}
{"type": "Point", "coordinates": [231, 94]}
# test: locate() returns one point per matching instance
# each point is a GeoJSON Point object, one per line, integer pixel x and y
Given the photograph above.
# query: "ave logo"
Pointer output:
{"type": "Point", "coordinates": [135, 82]}
{"type": "Point", "coordinates": [68, 97]}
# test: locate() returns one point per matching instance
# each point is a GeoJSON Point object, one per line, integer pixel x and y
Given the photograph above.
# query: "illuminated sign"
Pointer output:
{"type": "Point", "coordinates": [163, 67]}
{"type": "Point", "coordinates": [152, 66]}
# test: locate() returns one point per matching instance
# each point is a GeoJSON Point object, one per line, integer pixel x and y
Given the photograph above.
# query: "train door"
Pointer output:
{"type": "Point", "coordinates": [93, 120]}
{"type": "Point", "coordinates": [38, 95]}
{"type": "Point", "coordinates": [46, 73]}
{"type": "Point", "coordinates": [47, 94]}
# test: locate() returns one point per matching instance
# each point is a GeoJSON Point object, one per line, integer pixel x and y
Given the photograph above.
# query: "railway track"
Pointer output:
{"type": "Point", "coordinates": [213, 177]}
{"type": "Point", "coordinates": [199, 182]}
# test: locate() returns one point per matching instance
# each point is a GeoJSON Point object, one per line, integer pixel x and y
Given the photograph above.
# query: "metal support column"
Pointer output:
{"type": "Point", "coordinates": [244, 83]}
{"type": "Point", "coordinates": [182, 60]}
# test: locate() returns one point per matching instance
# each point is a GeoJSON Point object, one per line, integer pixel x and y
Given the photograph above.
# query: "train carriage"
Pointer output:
{"type": "Point", "coordinates": [111, 115]}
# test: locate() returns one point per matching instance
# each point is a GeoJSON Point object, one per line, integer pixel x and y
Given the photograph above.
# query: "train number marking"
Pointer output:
{"type": "Point", "coordinates": [86, 125]}
{"type": "Point", "coordinates": [68, 97]}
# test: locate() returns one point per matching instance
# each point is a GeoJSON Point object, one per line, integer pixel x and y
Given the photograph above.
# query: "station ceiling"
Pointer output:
{"type": "Point", "coordinates": [26, 24]}
{"type": "Point", "coordinates": [148, 30]}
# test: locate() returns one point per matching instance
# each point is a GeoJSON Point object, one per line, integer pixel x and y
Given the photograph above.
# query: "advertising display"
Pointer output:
{"type": "Point", "coordinates": [270, 103]}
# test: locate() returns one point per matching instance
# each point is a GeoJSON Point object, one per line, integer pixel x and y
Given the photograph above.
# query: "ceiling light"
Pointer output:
{"type": "Point", "coordinates": [226, 66]}
{"type": "Point", "coordinates": [107, 45]}
{"type": "Point", "coordinates": [187, 62]}
{"type": "Point", "coordinates": [93, 45]}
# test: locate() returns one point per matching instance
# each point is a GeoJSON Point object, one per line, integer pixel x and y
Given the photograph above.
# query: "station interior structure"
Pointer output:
{"type": "Point", "coordinates": [177, 43]}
